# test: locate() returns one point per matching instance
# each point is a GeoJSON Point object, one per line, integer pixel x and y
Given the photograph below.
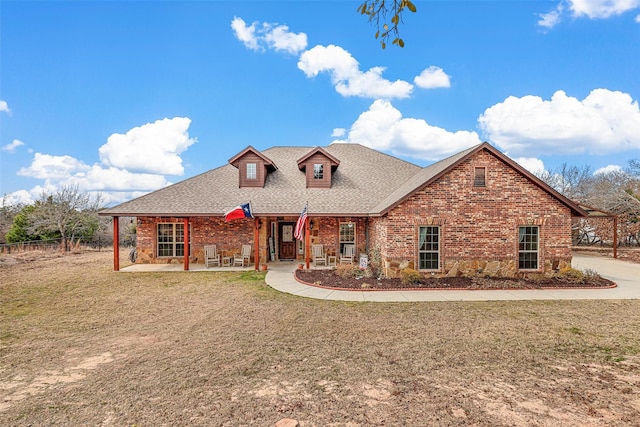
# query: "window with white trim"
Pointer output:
{"type": "Point", "coordinates": [347, 234]}
{"type": "Point", "coordinates": [171, 239]}
{"type": "Point", "coordinates": [429, 248]}
{"type": "Point", "coordinates": [251, 171]}
{"type": "Point", "coordinates": [318, 171]}
{"type": "Point", "coordinates": [528, 247]}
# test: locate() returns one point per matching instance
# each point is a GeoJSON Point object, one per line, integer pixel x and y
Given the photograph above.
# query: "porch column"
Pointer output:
{"type": "Point", "coordinates": [116, 244]}
{"type": "Point", "coordinates": [186, 244]}
{"type": "Point", "coordinates": [256, 242]}
{"type": "Point", "coordinates": [307, 241]}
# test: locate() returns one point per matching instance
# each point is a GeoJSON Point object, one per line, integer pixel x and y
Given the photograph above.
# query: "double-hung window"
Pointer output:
{"type": "Point", "coordinates": [251, 171]}
{"type": "Point", "coordinates": [429, 248]}
{"type": "Point", "coordinates": [347, 234]}
{"type": "Point", "coordinates": [528, 244]}
{"type": "Point", "coordinates": [171, 239]}
{"type": "Point", "coordinates": [318, 171]}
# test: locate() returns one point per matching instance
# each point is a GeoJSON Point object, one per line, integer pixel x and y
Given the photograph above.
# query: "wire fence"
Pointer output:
{"type": "Point", "coordinates": [96, 243]}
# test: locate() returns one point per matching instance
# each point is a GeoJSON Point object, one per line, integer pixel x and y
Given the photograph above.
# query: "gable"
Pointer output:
{"type": "Point", "coordinates": [253, 167]}
{"type": "Point", "coordinates": [476, 159]}
{"type": "Point", "coordinates": [318, 166]}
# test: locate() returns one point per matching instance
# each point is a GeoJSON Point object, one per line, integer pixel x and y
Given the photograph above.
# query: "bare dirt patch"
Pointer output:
{"type": "Point", "coordinates": [330, 279]}
{"type": "Point", "coordinates": [83, 345]}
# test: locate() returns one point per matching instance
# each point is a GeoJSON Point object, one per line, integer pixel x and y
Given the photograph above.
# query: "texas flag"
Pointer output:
{"type": "Point", "coordinates": [239, 212]}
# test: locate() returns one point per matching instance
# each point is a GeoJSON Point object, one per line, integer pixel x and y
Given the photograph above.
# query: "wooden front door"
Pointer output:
{"type": "Point", "coordinates": [287, 246]}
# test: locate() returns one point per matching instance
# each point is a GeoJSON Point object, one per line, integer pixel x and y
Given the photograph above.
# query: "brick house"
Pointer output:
{"type": "Point", "coordinates": [475, 211]}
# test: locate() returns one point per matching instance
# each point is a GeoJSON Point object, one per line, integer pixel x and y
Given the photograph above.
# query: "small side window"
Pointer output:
{"type": "Point", "coordinates": [480, 177]}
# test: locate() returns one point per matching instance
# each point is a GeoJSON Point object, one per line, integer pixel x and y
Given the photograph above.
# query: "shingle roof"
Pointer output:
{"type": "Point", "coordinates": [363, 178]}
{"type": "Point", "coordinates": [366, 183]}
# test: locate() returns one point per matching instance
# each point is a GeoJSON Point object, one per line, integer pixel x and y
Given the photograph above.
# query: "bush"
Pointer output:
{"type": "Point", "coordinates": [409, 276]}
{"type": "Point", "coordinates": [572, 274]}
{"type": "Point", "coordinates": [348, 270]}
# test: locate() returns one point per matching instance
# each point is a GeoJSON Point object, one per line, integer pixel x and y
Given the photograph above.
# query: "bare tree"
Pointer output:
{"type": "Point", "coordinates": [573, 182]}
{"type": "Point", "coordinates": [67, 211]}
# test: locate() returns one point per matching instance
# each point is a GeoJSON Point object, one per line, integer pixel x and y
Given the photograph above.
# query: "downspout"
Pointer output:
{"type": "Point", "coordinates": [366, 235]}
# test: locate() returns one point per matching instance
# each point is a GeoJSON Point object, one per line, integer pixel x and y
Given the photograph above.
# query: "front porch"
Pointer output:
{"type": "Point", "coordinates": [287, 266]}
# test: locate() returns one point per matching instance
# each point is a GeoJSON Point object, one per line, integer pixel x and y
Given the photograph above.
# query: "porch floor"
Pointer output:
{"type": "Point", "coordinates": [275, 265]}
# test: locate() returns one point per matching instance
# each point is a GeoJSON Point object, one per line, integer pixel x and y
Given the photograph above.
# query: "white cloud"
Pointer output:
{"type": "Point", "coordinates": [551, 19]}
{"type": "Point", "coordinates": [602, 8]}
{"type": "Point", "coordinates": [608, 169]}
{"type": "Point", "coordinates": [382, 127]}
{"type": "Point", "coordinates": [153, 147]}
{"type": "Point", "coordinates": [592, 9]}
{"type": "Point", "coordinates": [281, 39]}
{"type": "Point", "coordinates": [4, 107]}
{"type": "Point", "coordinates": [531, 164]}
{"type": "Point", "coordinates": [638, 19]}
{"type": "Point", "coordinates": [45, 166]}
{"type": "Point", "coordinates": [277, 37]}
{"type": "Point", "coordinates": [338, 132]}
{"type": "Point", "coordinates": [432, 77]}
{"type": "Point", "coordinates": [11, 147]}
{"type": "Point", "coordinates": [116, 179]}
{"type": "Point", "coordinates": [346, 75]}
{"type": "Point", "coordinates": [246, 34]}
{"type": "Point", "coordinates": [604, 122]}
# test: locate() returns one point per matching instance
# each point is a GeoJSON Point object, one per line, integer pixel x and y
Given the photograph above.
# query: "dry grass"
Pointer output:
{"type": "Point", "coordinates": [82, 345]}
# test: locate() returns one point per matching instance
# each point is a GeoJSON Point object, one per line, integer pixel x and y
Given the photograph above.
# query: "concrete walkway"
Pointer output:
{"type": "Point", "coordinates": [626, 275]}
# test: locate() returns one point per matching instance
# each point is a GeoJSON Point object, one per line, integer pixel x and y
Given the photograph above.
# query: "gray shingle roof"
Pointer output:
{"type": "Point", "coordinates": [363, 179]}
{"type": "Point", "coordinates": [366, 183]}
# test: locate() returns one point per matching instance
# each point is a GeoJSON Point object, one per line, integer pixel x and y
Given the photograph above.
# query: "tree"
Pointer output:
{"type": "Point", "coordinates": [8, 212]}
{"type": "Point", "coordinates": [379, 10]}
{"type": "Point", "coordinates": [573, 182]}
{"type": "Point", "coordinates": [69, 212]}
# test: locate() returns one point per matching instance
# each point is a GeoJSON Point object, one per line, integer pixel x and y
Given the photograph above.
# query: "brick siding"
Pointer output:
{"type": "Point", "coordinates": [478, 225]}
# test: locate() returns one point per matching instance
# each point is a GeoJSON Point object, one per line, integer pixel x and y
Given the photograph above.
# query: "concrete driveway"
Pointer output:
{"type": "Point", "coordinates": [626, 275]}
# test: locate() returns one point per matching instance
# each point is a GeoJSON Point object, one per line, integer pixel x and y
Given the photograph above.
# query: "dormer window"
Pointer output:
{"type": "Point", "coordinates": [251, 171]}
{"type": "Point", "coordinates": [318, 166]}
{"type": "Point", "coordinates": [318, 171]}
{"type": "Point", "coordinates": [253, 167]}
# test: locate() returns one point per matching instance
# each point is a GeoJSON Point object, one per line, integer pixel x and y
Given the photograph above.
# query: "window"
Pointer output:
{"type": "Point", "coordinates": [251, 171]}
{"type": "Point", "coordinates": [171, 239]}
{"type": "Point", "coordinates": [480, 177]}
{"type": "Point", "coordinates": [429, 248]}
{"type": "Point", "coordinates": [318, 171]}
{"type": "Point", "coordinates": [528, 238]}
{"type": "Point", "coordinates": [347, 234]}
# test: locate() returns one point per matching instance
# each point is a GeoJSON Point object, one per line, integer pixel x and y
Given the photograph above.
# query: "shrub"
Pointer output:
{"type": "Point", "coordinates": [409, 276]}
{"type": "Point", "coordinates": [348, 270]}
{"type": "Point", "coordinates": [572, 274]}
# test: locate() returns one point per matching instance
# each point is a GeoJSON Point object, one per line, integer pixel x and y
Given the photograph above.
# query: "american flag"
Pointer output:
{"type": "Point", "coordinates": [299, 231]}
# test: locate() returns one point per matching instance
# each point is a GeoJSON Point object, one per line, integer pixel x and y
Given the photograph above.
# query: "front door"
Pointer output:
{"type": "Point", "coordinates": [287, 246]}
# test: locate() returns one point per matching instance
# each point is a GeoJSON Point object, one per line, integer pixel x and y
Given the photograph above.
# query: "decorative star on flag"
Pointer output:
{"type": "Point", "coordinates": [239, 212]}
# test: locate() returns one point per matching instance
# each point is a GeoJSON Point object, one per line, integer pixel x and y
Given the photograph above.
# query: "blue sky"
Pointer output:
{"type": "Point", "coordinates": [123, 98]}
